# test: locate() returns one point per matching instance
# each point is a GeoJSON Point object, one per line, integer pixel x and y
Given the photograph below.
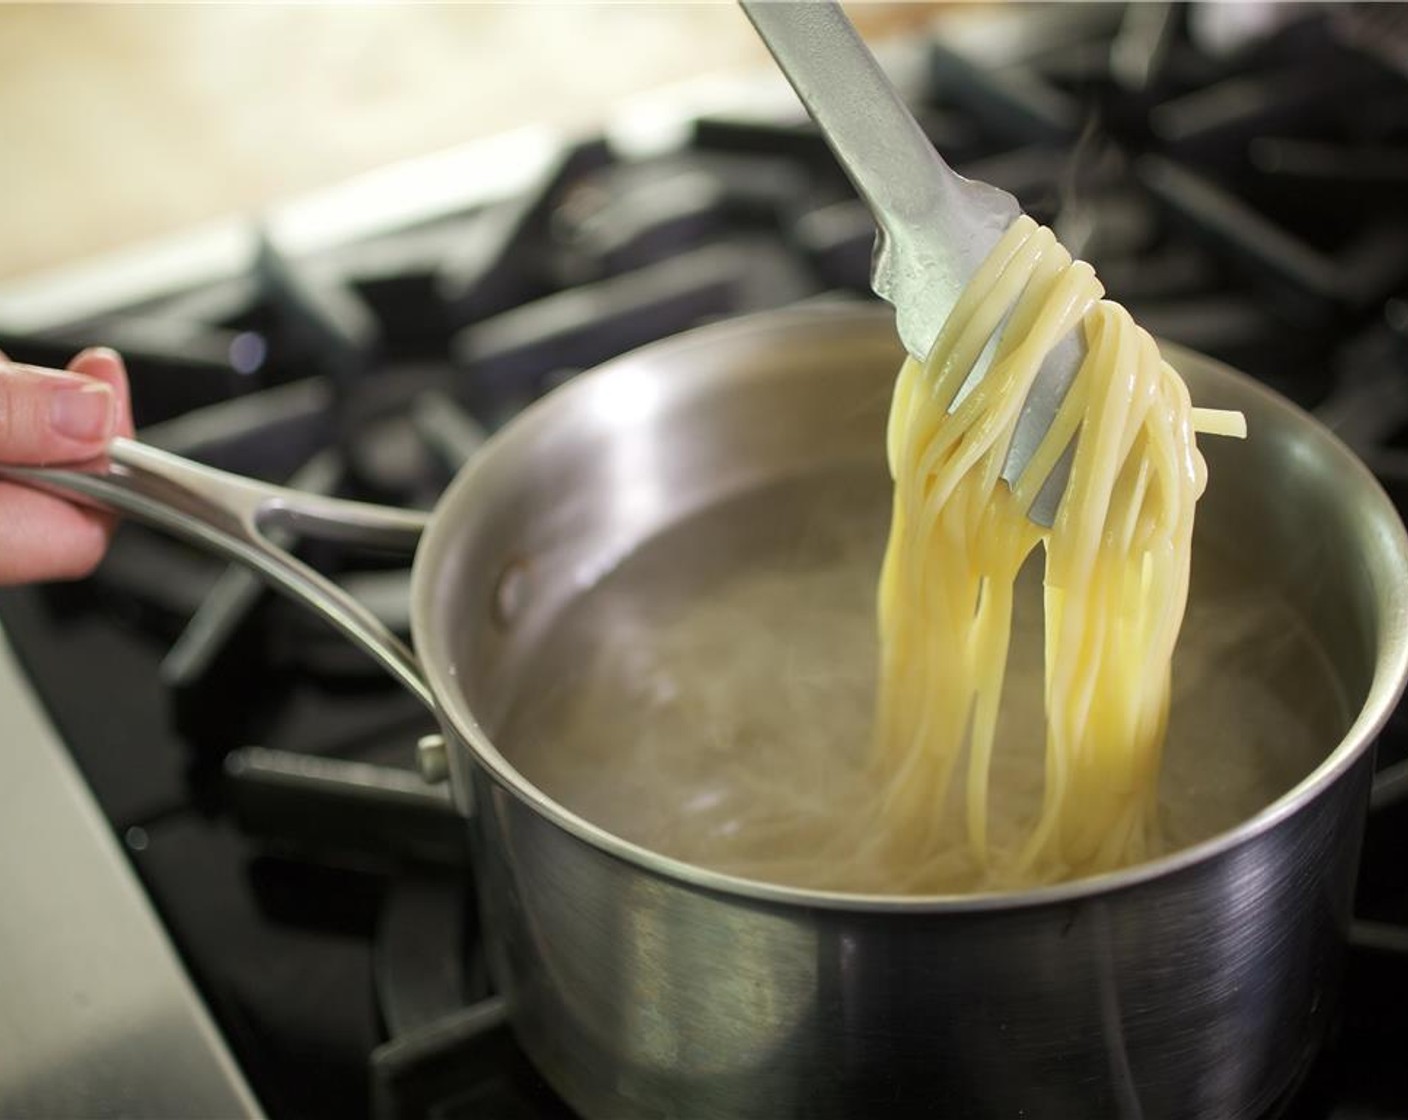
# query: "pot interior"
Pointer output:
{"type": "Point", "coordinates": [663, 582]}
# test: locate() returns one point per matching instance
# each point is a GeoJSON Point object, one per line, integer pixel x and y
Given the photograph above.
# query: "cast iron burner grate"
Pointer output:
{"type": "Point", "coordinates": [1248, 203]}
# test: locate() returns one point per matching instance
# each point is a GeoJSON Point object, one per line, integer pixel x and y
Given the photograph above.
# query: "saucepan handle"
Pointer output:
{"type": "Point", "coordinates": [228, 514]}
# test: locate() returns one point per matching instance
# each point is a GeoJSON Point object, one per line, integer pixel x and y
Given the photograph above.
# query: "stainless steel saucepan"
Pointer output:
{"type": "Point", "coordinates": [1197, 985]}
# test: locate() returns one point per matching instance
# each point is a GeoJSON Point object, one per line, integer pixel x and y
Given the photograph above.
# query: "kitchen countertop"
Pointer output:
{"type": "Point", "coordinates": [124, 123]}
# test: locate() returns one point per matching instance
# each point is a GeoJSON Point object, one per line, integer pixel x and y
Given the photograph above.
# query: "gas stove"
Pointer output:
{"type": "Point", "coordinates": [1246, 198]}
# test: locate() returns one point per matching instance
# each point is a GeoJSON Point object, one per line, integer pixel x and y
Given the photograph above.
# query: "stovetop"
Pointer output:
{"type": "Point", "coordinates": [1246, 200]}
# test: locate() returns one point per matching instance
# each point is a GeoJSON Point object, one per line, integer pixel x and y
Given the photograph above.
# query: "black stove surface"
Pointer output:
{"type": "Point", "coordinates": [1247, 203]}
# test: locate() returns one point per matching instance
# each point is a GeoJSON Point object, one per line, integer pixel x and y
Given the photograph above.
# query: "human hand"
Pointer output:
{"type": "Point", "coordinates": [48, 417]}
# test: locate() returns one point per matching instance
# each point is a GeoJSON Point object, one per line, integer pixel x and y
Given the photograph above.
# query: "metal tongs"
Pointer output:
{"type": "Point", "coordinates": [935, 226]}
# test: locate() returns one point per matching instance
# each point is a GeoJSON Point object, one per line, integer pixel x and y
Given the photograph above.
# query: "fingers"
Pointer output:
{"type": "Point", "coordinates": [49, 416]}
{"type": "Point", "coordinates": [106, 366]}
{"type": "Point", "coordinates": [42, 536]}
{"type": "Point", "coordinates": [46, 538]}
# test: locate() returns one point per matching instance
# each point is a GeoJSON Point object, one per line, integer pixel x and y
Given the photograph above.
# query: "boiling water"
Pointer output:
{"type": "Point", "coordinates": [711, 699]}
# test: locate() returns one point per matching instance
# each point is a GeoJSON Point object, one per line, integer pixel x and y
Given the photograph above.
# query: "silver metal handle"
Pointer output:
{"type": "Point", "coordinates": [936, 227]}
{"type": "Point", "coordinates": [864, 119]}
{"type": "Point", "coordinates": [227, 514]}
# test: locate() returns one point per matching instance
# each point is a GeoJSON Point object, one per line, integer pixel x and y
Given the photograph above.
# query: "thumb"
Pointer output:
{"type": "Point", "coordinates": [49, 416]}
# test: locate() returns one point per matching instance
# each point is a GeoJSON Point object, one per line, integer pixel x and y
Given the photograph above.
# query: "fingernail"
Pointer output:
{"type": "Point", "coordinates": [98, 352]}
{"type": "Point", "coordinates": [83, 413]}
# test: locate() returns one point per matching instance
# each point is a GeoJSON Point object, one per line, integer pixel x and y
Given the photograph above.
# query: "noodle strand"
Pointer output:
{"type": "Point", "coordinates": [1116, 558]}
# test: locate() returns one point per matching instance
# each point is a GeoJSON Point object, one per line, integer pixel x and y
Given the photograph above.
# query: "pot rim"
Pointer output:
{"type": "Point", "coordinates": [1388, 683]}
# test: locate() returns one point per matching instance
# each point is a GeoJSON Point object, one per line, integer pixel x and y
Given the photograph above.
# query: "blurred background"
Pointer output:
{"type": "Point", "coordinates": [120, 122]}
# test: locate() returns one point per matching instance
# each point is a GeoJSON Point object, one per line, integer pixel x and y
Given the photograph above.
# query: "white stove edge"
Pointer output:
{"type": "Point", "coordinates": [97, 1014]}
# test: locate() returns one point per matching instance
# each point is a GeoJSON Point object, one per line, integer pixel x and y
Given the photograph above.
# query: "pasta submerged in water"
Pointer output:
{"type": "Point", "coordinates": [1116, 573]}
